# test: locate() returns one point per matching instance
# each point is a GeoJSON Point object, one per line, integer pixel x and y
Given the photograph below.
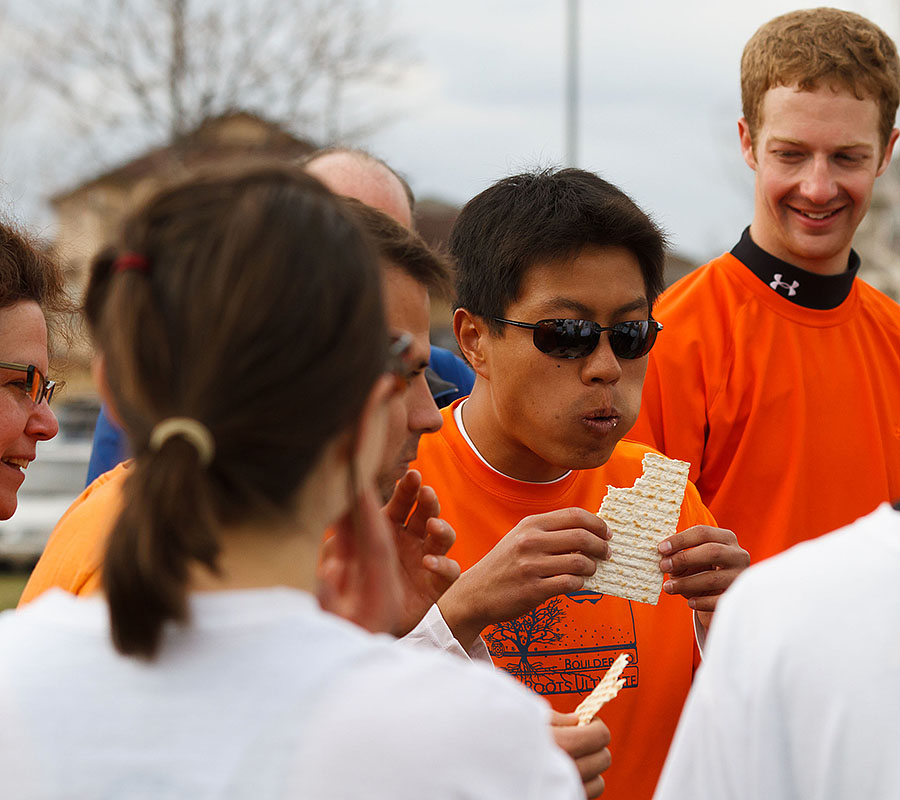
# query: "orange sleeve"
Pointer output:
{"type": "Point", "coordinates": [74, 553]}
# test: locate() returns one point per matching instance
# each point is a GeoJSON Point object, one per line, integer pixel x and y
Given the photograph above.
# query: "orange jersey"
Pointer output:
{"type": "Point", "coordinates": [74, 553]}
{"type": "Point", "coordinates": [565, 646]}
{"type": "Point", "coordinates": [789, 415]}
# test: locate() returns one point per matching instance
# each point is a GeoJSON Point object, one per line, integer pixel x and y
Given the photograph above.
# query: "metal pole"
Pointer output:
{"type": "Point", "coordinates": [572, 83]}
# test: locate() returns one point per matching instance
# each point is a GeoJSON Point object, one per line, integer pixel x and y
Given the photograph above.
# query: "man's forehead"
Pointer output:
{"type": "Point", "coordinates": [820, 108]}
{"type": "Point", "coordinates": [557, 304]}
{"type": "Point", "coordinates": [566, 277]}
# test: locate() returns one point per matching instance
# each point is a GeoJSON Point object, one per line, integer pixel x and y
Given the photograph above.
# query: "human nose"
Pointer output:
{"type": "Point", "coordinates": [422, 412]}
{"type": "Point", "coordinates": [818, 184]}
{"type": "Point", "coordinates": [601, 364]}
{"type": "Point", "coordinates": [42, 423]}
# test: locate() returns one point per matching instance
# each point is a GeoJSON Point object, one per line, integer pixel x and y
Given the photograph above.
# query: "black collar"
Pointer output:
{"type": "Point", "coordinates": [807, 289]}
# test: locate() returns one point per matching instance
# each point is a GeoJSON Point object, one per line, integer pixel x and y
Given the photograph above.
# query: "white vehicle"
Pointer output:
{"type": "Point", "coordinates": [52, 481]}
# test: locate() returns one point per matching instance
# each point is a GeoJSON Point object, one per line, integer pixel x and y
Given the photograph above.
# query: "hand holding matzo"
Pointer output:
{"type": "Point", "coordinates": [702, 562]}
{"type": "Point", "coordinates": [587, 745]}
{"type": "Point", "coordinates": [541, 557]}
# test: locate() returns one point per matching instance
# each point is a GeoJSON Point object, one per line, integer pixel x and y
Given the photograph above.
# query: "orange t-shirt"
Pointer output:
{"type": "Point", "coordinates": [789, 415]}
{"type": "Point", "coordinates": [74, 553]}
{"type": "Point", "coordinates": [564, 647]}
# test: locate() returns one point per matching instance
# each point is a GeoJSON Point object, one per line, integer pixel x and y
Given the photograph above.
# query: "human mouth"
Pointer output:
{"type": "Point", "coordinates": [816, 216]}
{"type": "Point", "coordinates": [602, 421]}
{"type": "Point", "coordinates": [20, 464]}
{"type": "Point", "coordinates": [401, 466]}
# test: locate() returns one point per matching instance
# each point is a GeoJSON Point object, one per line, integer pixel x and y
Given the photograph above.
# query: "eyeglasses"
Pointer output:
{"type": "Point", "coordinates": [398, 364]}
{"type": "Point", "coordinates": [576, 338]}
{"type": "Point", "coordinates": [37, 387]}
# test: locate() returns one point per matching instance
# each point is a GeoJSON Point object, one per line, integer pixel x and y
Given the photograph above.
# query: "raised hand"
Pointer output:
{"type": "Point", "coordinates": [541, 557]}
{"type": "Point", "coordinates": [702, 562]}
{"type": "Point", "coordinates": [359, 572]}
{"type": "Point", "coordinates": [422, 540]}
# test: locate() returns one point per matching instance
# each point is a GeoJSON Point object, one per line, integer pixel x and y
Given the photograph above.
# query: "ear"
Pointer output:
{"type": "Point", "coordinates": [471, 335]}
{"type": "Point", "coordinates": [746, 143]}
{"type": "Point", "coordinates": [98, 373]}
{"type": "Point", "coordinates": [888, 152]}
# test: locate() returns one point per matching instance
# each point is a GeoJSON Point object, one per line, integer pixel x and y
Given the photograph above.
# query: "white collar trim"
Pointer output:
{"type": "Point", "coordinates": [458, 419]}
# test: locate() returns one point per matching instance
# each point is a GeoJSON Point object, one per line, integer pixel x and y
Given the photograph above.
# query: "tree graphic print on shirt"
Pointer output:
{"type": "Point", "coordinates": [566, 644]}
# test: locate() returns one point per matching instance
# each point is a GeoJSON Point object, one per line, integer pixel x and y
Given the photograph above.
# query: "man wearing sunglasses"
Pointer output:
{"type": "Point", "coordinates": [781, 379]}
{"type": "Point", "coordinates": [557, 272]}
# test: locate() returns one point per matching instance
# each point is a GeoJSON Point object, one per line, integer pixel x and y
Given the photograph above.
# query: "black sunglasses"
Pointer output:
{"type": "Point", "coordinates": [576, 338]}
{"type": "Point", "coordinates": [37, 387]}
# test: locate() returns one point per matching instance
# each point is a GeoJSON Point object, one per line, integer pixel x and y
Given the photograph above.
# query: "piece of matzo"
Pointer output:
{"type": "Point", "coordinates": [603, 692]}
{"type": "Point", "coordinates": [639, 518]}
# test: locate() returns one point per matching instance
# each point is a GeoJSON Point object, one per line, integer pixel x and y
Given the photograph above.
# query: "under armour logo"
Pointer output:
{"type": "Point", "coordinates": [780, 284]}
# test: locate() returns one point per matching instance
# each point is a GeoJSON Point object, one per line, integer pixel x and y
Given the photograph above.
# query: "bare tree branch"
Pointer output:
{"type": "Point", "coordinates": [167, 65]}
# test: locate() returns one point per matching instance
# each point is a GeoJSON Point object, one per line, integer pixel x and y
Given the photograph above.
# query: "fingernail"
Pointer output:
{"type": "Point", "coordinates": [666, 565]}
{"type": "Point", "coordinates": [669, 587]}
{"type": "Point", "coordinates": [665, 546]}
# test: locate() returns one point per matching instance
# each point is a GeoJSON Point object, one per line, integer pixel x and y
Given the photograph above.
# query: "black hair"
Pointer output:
{"type": "Point", "coordinates": [544, 216]}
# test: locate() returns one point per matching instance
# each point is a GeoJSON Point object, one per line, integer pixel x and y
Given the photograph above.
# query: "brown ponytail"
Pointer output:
{"type": "Point", "coordinates": [166, 523]}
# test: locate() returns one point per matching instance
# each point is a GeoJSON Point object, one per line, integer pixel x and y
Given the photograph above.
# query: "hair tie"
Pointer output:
{"type": "Point", "coordinates": [193, 431]}
{"type": "Point", "coordinates": [131, 261]}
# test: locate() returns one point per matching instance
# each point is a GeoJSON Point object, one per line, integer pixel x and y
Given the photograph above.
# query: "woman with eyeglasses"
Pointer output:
{"type": "Point", "coordinates": [30, 285]}
{"type": "Point", "coordinates": [244, 350]}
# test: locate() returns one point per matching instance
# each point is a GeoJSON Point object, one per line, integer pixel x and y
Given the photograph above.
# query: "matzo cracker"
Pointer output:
{"type": "Point", "coordinates": [639, 518]}
{"type": "Point", "coordinates": [603, 692]}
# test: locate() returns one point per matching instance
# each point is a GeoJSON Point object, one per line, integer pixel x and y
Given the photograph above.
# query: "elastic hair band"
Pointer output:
{"type": "Point", "coordinates": [131, 261]}
{"type": "Point", "coordinates": [193, 431]}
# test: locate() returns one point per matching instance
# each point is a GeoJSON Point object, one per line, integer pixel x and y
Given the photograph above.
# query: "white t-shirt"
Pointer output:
{"type": "Point", "coordinates": [263, 695]}
{"type": "Point", "coordinates": [799, 692]}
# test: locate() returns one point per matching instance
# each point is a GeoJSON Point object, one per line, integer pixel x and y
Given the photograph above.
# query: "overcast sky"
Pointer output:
{"type": "Point", "coordinates": [659, 96]}
{"type": "Point", "coordinates": [484, 97]}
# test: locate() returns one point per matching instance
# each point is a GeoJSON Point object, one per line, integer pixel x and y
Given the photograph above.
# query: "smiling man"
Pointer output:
{"type": "Point", "coordinates": [557, 272]}
{"type": "Point", "coordinates": [781, 379]}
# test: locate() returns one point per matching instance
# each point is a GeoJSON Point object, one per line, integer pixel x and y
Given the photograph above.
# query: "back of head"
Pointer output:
{"type": "Point", "coordinates": [539, 217]}
{"type": "Point", "coordinates": [403, 248]}
{"type": "Point", "coordinates": [247, 301]}
{"type": "Point", "coordinates": [356, 173]}
{"type": "Point", "coordinates": [821, 47]}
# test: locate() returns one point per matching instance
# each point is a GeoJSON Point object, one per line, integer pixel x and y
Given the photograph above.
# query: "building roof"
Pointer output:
{"type": "Point", "coordinates": [239, 133]}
